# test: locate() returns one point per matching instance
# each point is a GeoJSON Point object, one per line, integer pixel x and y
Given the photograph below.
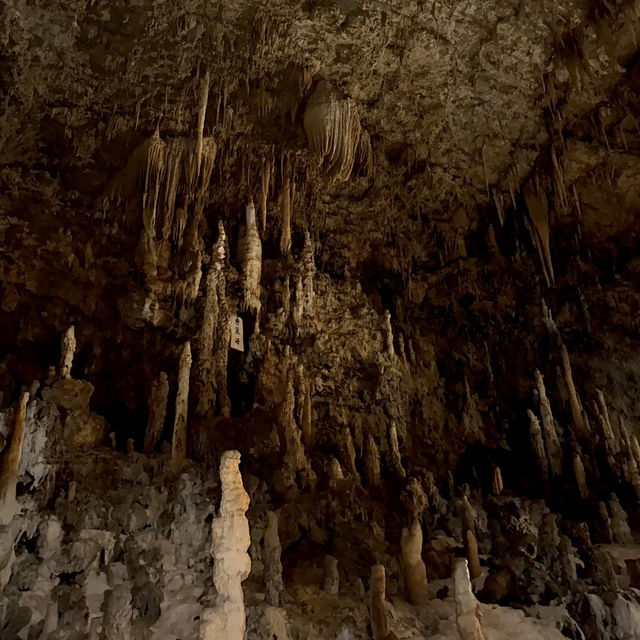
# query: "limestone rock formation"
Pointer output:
{"type": "Point", "coordinates": [230, 541]}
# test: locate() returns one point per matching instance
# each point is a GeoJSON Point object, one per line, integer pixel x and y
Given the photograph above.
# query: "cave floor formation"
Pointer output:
{"type": "Point", "coordinates": [319, 319]}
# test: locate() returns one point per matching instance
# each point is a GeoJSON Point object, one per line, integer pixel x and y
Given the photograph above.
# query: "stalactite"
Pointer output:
{"type": "Point", "coordinates": [157, 412]}
{"type": "Point", "coordinates": [230, 540]}
{"type": "Point", "coordinates": [10, 463]}
{"type": "Point", "coordinates": [415, 572]}
{"type": "Point", "coordinates": [552, 444]}
{"type": "Point", "coordinates": [68, 351]}
{"type": "Point", "coordinates": [288, 199]}
{"type": "Point", "coordinates": [202, 114]}
{"type": "Point", "coordinates": [272, 562]}
{"type": "Point", "coordinates": [154, 172]}
{"type": "Point", "coordinates": [266, 177]}
{"type": "Point", "coordinates": [377, 604]}
{"type": "Point", "coordinates": [539, 216]}
{"type": "Point", "coordinates": [332, 125]}
{"type": "Point", "coordinates": [252, 266]}
{"type": "Point", "coordinates": [577, 412]}
{"type": "Point", "coordinates": [297, 312]}
{"type": "Point", "coordinates": [179, 441]}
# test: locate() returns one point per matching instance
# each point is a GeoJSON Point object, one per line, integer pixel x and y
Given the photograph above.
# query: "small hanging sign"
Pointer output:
{"type": "Point", "coordinates": [237, 333]}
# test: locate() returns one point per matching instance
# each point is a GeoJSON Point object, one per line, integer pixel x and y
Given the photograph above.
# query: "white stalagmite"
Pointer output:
{"type": "Point", "coordinates": [179, 441]}
{"type": "Point", "coordinates": [552, 444]}
{"type": "Point", "coordinates": [252, 267]}
{"type": "Point", "coordinates": [415, 573]}
{"type": "Point", "coordinates": [10, 463]}
{"type": "Point", "coordinates": [68, 351]}
{"type": "Point", "coordinates": [157, 412]}
{"type": "Point", "coordinates": [272, 561]}
{"type": "Point", "coordinates": [377, 604]}
{"type": "Point", "coordinates": [230, 540]}
{"type": "Point", "coordinates": [619, 522]}
{"type": "Point", "coordinates": [467, 609]}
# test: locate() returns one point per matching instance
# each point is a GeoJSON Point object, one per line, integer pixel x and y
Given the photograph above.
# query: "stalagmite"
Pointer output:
{"type": "Point", "coordinates": [605, 423]}
{"type": "Point", "coordinates": [210, 324]}
{"type": "Point", "coordinates": [395, 461]}
{"type": "Point", "coordinates": [10, 463]}
{"type": "Point", "coordinates": [619, 522]}
{"type": "Point", "coordinates": [377, 605]}
{"type": "Point", "coordinates": [467, 608]}
{"type": "Point", "coordinates": [68, 351]}
{"type": "Point", "coordinates": [577, 412]}
{"type": "Point", "coordinates": [331, 576]}
{"type": "Point", "coordinates": [371, 462]}
{"type": "Point", "coordinates": [538, 446]}
{"type": "Point", "coordinates": [307, 433]}
{"type": "Point", "coordinates": [252, 267]}
{"type": "Point", "coordinates": [349, 450]}
{"type": "Point", "coordinates": [272, 561]}
{"type": "Point", "coordinates": [308, 271]}
{"type": "Point", "coordinates": [606, 522]}
{"type": "Point", "coordinates": [332, 125]}
{"type": "Point", "coordinates": [388, 334]}
{"type": "Point", "coordinates": [179, 442]}
{"type": "Point", "coordinates": [294, 450]}
{"type": "Point", "coordinates": [230, 540]}
{"type": "Point", "coordinates": [415, 572]}
{"type": "Point", "coordinates": [552, 444]}
{"type": "Point", "coordinates": [539, 216]}
{"type": "Point", "coordinates": [157, 412]}
{"type": "Point", "coordinates": [469, 536]}
{"type": "Point", "coordinates": [336, 477]}
{"type": "Point", "coordinates": [581, 478]}
{"type": "Point", "coordinates": [471, 549]}
{"type": "Point", "coordinates": [496, 481]}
